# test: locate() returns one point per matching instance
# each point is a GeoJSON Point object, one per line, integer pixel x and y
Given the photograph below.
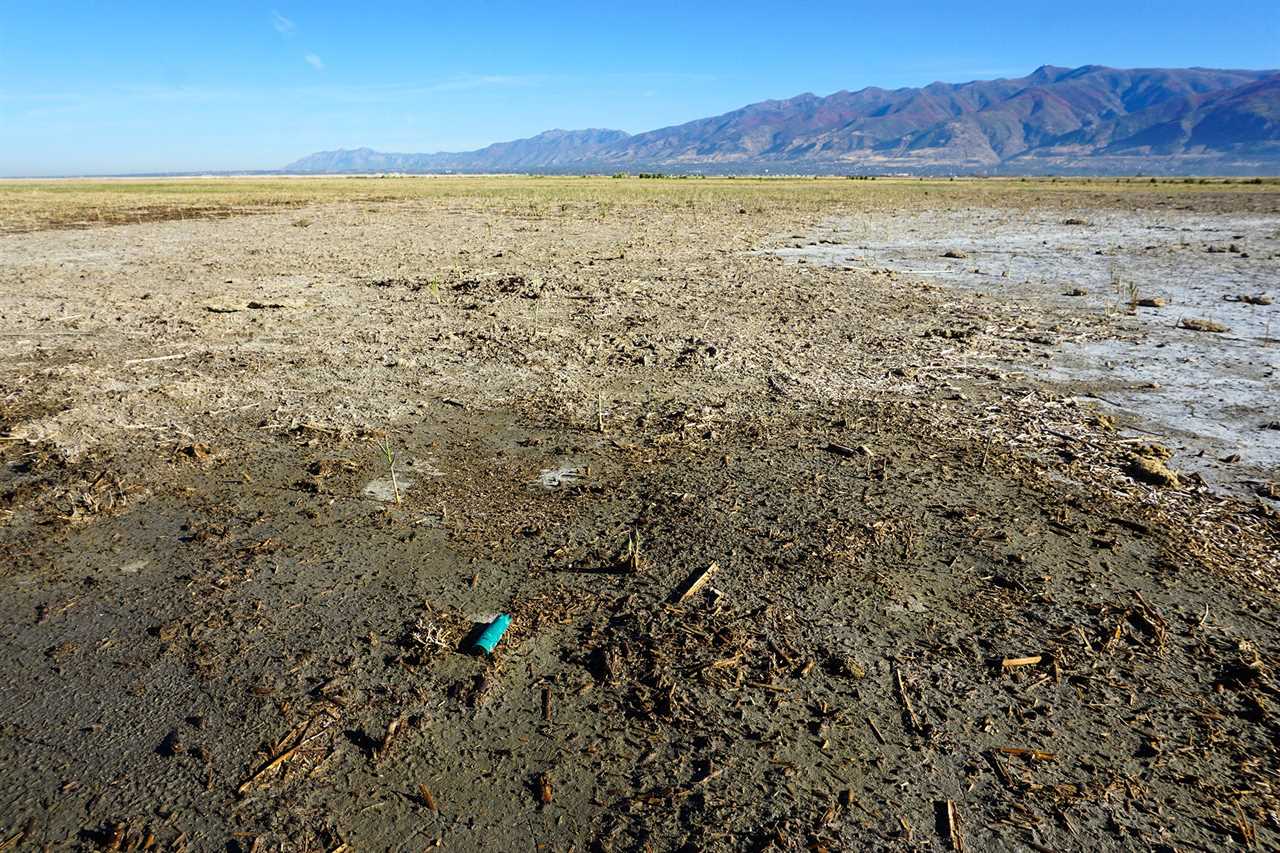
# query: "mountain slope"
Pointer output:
{"type": "Point", "coordinates": [548, 149]}
{"type": "Point", "coordinates": [1093, 116]}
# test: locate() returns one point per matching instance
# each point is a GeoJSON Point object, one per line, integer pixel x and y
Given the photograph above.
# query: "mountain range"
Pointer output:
{"type": "Point", "coordinates": [1091, 119]}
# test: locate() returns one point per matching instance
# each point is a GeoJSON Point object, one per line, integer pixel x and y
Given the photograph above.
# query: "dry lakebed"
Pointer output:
{"type": "Point", "coordinates": [829, 514]}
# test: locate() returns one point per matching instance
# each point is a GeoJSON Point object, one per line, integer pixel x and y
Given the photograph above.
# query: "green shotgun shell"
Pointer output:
{"type": "Point", "coordinates": [492, 634]}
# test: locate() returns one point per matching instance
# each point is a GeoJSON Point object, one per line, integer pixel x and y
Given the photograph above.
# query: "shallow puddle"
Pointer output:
{"type": "Point", "coordinates": [384, 490]}
{"type": "Point", "coordinates": [559, 476]}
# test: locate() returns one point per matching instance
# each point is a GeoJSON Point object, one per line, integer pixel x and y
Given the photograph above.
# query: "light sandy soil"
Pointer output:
{"type": "Point", "coordinates": [949, 602]}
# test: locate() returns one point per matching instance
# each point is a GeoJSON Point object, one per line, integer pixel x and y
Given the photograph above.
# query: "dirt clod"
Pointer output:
{"type": "Point", "coordinates": [1254, 299]}
{"type": "Point", "coordinates": [1202, 325]}
{"type": "Point", "coordinates": [172, 745]}
{"type": "Point", "coordinates": [1153, 471]}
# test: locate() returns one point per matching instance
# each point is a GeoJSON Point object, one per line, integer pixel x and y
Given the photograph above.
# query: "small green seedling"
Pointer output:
{"type": "Point", "coordinates": [384, 445]}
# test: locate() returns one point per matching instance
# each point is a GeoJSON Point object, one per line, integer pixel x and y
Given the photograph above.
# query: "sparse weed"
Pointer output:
{"type": "Point", "coordinates": [428, 634]}
{"type": "Point", "coordinates": [384, 445]}
{"type": "Point", "coordinates": [1126, 291]}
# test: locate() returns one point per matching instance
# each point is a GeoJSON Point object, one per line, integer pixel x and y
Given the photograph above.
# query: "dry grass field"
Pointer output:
{"type": "Point", "coordinates": [27, 205]}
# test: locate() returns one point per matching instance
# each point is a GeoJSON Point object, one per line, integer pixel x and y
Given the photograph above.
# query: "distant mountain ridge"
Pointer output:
{"type": "Point", "coordinates": [550, 148]}
{"type": "Point", "coordinates": [1089, 119]}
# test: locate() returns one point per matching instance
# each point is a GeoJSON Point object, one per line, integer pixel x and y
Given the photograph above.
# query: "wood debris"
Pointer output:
{"type": "Point", "coordinates": [426, 798]}
{"type": "Point", "coordinates": [695, 583]}
{"type": "Point", "coordinates": [905, 698]}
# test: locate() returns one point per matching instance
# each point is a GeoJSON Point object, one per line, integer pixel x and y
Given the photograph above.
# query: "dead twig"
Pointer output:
{"type": "Point", "coordinates": [1033, 754]}
{"type": "Point", "coordinates": [875, 730]}
{"type": "Point", "coordinates": [424, 795]}
{"type": "Point", "coordinates": [155, 358]}
{"type": "Point", "coordinates": [951, 818]}
{"type": "Point", "coordinates": [695, 582]}
{"type": "Point", "coordinates": [906, 701]}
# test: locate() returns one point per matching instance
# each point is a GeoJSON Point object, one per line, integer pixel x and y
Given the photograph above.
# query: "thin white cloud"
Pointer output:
{"type": "Point", "coordinates": [283, 25]}
{"type": "Point", "coordinates": [399, 93]}
{"type": "Point", "coordinates": [363, 94]}
{"type": "Point", "coordinates": [21, 103]}
{"type": "Point", "coordinates": [482, 81]}
{"type": "Point", "coordinates": [314, 61]}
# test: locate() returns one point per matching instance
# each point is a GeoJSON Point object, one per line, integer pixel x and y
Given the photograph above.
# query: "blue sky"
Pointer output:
{"type": "Point", "coordinates": [113, 87]}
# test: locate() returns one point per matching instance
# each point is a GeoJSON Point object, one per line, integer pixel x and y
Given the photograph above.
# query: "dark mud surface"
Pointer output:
{"type": "Point", "coordinates": [944, 607]}
{"type": "Point", "coordinates": [159, 659]}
